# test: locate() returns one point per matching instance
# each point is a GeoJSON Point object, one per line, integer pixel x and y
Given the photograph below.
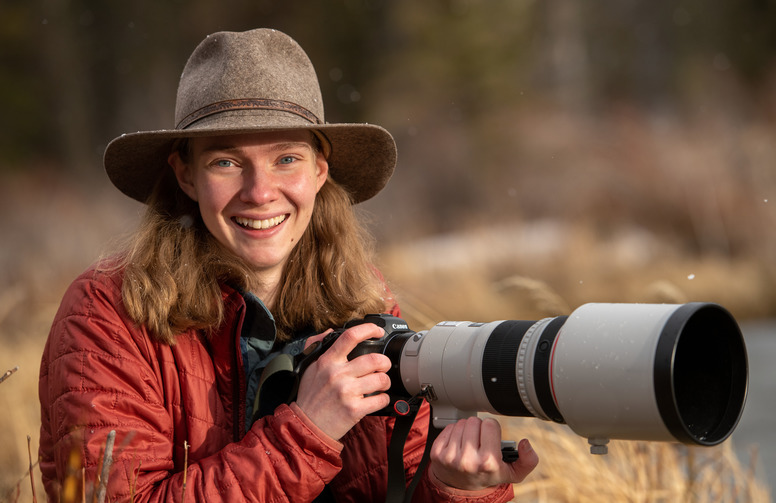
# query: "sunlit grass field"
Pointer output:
{"type": "Point", "coordinates": [52, 228]}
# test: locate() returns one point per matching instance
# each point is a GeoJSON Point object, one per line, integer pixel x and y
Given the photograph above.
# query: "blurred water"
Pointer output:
{"type": "Point", "coordinates": [758, 422]}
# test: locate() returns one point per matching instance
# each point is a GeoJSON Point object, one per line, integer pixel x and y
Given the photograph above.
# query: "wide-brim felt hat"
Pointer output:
{"type": "Point", "coordinates": [247, 82]}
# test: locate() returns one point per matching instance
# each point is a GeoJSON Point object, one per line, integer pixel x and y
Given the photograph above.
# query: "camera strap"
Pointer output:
{"type": "Point", "coordinates": [405, 412]}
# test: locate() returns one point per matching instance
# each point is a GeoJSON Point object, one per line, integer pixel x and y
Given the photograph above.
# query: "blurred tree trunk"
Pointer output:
{"type": "Point", "coordinates": [65, 63]}
{"type": "Point", "coordinates": [567, 70]}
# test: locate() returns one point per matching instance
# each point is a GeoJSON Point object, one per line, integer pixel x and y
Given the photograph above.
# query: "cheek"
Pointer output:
{"type": "Point", "coordinates": [303, 191]}
{"type": "Point", "coordinates": [309, 197]}
{"type": "Point", "coordinates": [212, 201]}
{"type": "Point", "coordinates": [213, 193]}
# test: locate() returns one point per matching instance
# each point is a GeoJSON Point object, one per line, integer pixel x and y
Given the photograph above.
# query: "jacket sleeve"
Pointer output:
{"type": "Point", "coordinates": [431, 489]}
{"type": "Point", "coordinates": [98, 375]}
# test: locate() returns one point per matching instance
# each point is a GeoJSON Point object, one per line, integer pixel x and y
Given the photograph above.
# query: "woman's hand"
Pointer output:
{"type": "Point", "coordinates": [333, 391]}
{"type": "Point", "coordinates": [467, 455]}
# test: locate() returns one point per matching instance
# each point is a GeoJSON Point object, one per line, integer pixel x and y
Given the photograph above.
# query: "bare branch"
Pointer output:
{"type": "Point", "coordinates": [8, 374]}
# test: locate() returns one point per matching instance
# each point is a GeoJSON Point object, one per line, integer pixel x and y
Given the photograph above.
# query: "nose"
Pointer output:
{"type": "Point", "coordinates": [259, 186]}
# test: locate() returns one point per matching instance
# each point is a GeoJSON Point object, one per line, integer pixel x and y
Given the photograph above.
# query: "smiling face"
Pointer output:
{"type": "Point", "coordinates": [255, 192]}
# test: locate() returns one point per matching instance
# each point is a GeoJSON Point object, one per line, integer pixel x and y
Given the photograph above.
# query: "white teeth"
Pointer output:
{"type": "Point", "coordinates": [260, 224]}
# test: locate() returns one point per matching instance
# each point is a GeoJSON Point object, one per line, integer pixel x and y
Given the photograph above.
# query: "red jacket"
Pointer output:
{"type": "Point", "coordinates": [101, 372]}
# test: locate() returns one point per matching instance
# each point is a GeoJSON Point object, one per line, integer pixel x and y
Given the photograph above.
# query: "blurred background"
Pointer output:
{"type": "Point", "coordinates": [551, 153]}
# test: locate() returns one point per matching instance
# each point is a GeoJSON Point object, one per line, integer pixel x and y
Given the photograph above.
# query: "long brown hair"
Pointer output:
{"type": "Point", "coordinates": [174, 268]}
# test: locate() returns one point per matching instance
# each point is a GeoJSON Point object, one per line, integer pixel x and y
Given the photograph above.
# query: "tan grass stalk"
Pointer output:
{"type": "Point", "coordinates": [185, 468]}
{"type": "Point", "coordinates": [99, 472]}
{"type": "Point", "coordinates": [13, 494]}
{"type": "Point", "coordinates": [134, 482]}
{"type": "Point", "coordinates": [32, 475]}
{"type": "Point", "coordinates": [539, 293]}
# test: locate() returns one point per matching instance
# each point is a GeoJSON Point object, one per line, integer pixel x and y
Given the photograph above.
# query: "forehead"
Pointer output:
{"type": "Point", "coordinates": [259, 139]}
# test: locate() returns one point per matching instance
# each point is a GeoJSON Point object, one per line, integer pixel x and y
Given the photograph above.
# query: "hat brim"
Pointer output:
{"type": "Point", "coordinates": [362, 158]}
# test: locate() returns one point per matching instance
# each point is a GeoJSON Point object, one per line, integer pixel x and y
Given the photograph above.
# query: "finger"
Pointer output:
{"type": "Point", "coordinates": [490, 433]}
{"type": "Point", "coordinates": [441, 442]}
{"type": "Point", "coordinates": [480, 453]}
{"type": "Point", "coordinates": [373, 403]}
{"type": "Point", "coordinates": [470, 437]}
{"type": "Point", "coordinates": [370, 363]}
{"type": "Point", "coordinates": [457, 433]}
{"type": "Point", "coordinates": [350, 338]}
{"type": "Point", "coordinates": [491, 459]}
{"type": "Point", "coordinates": [453, 447]}
{"type": "Point", "coordinates": [370, 383]}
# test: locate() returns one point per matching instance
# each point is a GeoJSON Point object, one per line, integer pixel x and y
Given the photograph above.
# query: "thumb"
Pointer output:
{"type": "Point", "coordinates": [526, 463]}
{"type": "Point", "coordinates": [316, 338]}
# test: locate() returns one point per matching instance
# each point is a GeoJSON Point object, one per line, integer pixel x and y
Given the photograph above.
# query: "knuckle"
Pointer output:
{"type": "Point", "coordinates": [469, 466]}
{"type": "Point", "coordinates": [324, 360]}
{"type": "Point", "coordinates": [491, 424]}
{"type": "Point", "coordinates": [341, 391]}
{"type": "Point", "coordinates": [473, 421]}
{"type": "Point", "coordinates": [445, 457]}
{"type": "Point", "coordinates": [325, 371]}
{"type": "Point", "coordinates": [352, 411]}
{"type": "Point", "coordinates": [488, 465]}
{"type": "Point", "coordinates": [350, 335]}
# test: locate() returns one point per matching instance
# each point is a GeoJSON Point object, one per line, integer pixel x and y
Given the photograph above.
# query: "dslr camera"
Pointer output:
{"type": "Point", "coordinates": [656, 372]}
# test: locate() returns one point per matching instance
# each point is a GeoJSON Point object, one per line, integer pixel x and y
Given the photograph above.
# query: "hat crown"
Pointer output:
{"type": "Point", "coordinates": [229, 68]}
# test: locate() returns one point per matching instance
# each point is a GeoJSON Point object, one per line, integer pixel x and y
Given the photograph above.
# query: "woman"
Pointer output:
{"type": "Point", "coordinates": [248, 247]}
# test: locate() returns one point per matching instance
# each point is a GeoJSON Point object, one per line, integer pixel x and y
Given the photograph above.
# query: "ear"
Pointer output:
{"type": "Point", "coordinates": [322, 173]}
{"type": "Point", "coordinates": [184, 175]}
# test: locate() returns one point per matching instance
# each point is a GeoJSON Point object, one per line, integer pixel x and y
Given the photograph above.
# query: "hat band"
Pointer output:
{"type": "Point", "coordinates": [247, 104]}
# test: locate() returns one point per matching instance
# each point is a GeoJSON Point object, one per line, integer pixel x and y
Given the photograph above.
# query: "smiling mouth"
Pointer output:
{"type": "Point", "coordinates": [267, 223]}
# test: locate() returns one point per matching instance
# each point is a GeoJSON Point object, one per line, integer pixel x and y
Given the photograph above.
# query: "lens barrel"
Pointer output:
{"type": "Point", "coordinates": [627, 371]}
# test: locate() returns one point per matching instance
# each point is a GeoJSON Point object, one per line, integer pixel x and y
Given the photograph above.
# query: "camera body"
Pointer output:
{"type": "Point", "coordinates": [396, 333]}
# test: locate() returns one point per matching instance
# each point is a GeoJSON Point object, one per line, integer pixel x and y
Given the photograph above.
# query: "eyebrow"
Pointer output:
{"type": "Point", "coordinates": [291, 145]}
{"type": "Point", "coordinates": [277, 147]}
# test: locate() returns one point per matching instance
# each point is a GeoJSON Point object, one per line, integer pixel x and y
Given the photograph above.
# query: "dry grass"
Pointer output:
{"type": "Point", "coordinates": [632, 472]}
{"type": "Point", "coordinates": [20, 418]}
